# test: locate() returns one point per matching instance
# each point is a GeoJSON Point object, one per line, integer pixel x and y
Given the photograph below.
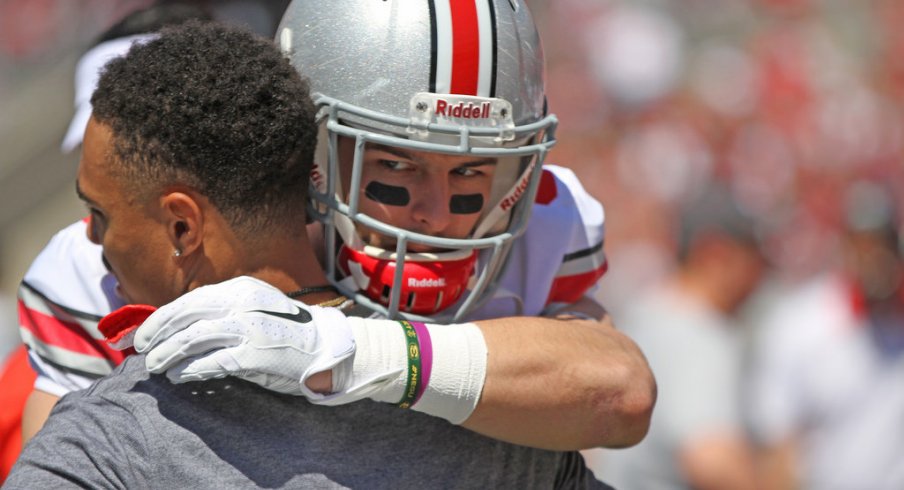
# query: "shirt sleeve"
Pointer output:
{"type": "Point", "coordinates": [581, 260]}
{"type": "Point", "coordinates": [65, 292]}
{"type": "Point", "coordinates": [559, 259]}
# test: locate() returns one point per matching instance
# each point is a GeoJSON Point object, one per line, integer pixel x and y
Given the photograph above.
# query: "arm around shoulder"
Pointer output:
{"type": "Point", "coordinates": [564, 383]}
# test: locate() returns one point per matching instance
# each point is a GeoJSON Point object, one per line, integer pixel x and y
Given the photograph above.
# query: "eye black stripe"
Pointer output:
{"type": "Point", "coordinates": [465, 203]}
{"type": "Point", "coordinates": [390, 195]}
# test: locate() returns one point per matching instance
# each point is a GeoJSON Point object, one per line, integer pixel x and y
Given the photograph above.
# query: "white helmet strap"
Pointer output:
{"type": "Point", "coordinates": [508, 201]}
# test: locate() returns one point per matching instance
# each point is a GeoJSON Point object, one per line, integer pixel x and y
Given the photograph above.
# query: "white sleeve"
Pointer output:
{"type": "Point", "coordinates": [65, 292]}
{"type": "Point", "coordinates": [54, 380]}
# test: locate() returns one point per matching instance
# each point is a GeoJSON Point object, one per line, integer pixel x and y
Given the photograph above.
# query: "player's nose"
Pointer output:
{"type": "Point", "coordinates": [430, 208]}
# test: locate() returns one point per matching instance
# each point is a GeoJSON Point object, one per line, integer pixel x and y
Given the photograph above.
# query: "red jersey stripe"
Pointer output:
{"type": "Point", "coordinates": [65, 335]}
{"type": "Point", "coordinates": [569, 289]}
{"type": "Point", "coordinates": [547, 192]}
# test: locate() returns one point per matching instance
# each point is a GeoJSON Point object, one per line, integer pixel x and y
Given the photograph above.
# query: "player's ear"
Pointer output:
{"type": "Point", "coordinates": [184, 221]}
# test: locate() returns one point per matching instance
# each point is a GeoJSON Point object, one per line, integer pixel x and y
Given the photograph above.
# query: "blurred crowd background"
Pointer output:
{"type": "Point", "coordinates": [788, 104]}
{"type": "Point", "coordinates": [773, 125]}
{"type": "Point", "coordinates": [706, 124]}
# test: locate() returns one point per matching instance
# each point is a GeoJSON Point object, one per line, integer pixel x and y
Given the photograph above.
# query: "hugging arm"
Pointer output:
{"type": "Point", "coordinates": [555, 383]}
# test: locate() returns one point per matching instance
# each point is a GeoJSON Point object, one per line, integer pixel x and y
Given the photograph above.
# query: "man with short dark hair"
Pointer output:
{"type": "Point", "coordinates": [428, 210]}
{"type": "Point", "coordinates": [183, 134]}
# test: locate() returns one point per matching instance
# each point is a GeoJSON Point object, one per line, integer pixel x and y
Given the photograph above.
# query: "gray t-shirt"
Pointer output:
{"type": "Point", "coordinates": [136, 430]}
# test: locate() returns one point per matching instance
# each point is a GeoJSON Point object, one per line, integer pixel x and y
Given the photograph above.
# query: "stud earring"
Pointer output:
{"type": "Point", "coordinates": [177, 253]}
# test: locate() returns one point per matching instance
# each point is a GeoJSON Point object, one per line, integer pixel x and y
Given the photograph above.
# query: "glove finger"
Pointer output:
{"type": "Point", "coordinates": [239, 360]}
{"type": "Point", "coordinates": [211, 302]}
{"type": "Point", "coordinates": [171, 319]}
{"type": "Point", "coordinates": [199, 368]}
{"type": "Point", "coordinates": [225, 362]}
{"type": "Point", "coordinates": [185, 345]}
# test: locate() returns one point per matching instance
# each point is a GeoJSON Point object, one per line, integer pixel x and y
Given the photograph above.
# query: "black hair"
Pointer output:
{"type": "Point", "coordinates": [218, 109]}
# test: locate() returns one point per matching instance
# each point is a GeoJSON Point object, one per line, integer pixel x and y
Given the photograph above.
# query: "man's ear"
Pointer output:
{"type": "Point", "coordinates": [184, 220]}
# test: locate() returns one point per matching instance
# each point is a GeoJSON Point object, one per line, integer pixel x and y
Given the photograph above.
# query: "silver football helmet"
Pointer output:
{"type": "Point", "coordinates": [443, 76]}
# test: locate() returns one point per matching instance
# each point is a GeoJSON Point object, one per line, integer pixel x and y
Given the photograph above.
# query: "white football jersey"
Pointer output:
{"type": "Point", "coordinates": [65, 292]}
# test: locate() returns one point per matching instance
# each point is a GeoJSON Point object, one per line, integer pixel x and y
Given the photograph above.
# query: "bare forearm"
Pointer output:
{"type": "Point", "coordinates": [561, 384]}
{"type": "Point", "coordinates": [542, 382]}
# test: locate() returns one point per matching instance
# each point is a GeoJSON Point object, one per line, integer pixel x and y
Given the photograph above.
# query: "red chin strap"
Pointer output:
{"type": "Point", "coordinates": [427, 287]}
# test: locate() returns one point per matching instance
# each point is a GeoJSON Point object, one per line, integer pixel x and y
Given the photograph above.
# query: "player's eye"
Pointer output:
{"type": "Point", "coordinates": [468, 171]}
{"type": "Point", "coordinates": [396, 165]}
{"type": "Point", "coordinates": [472, 171]}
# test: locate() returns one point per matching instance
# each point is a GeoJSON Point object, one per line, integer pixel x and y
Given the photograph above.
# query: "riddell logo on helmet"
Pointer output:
{"type": "Point", "coordinates": [510, 201]}
{"type": "Point", "coordinates": [426, 283]}
{"type": "Point", "coordinates": [463, 110]}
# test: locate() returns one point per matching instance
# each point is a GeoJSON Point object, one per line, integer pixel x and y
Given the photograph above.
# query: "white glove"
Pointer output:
{"type": "Point", "coordinates": [245, 327]}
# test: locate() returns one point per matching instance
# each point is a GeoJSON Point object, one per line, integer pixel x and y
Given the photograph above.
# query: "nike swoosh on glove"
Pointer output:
{"type": "Point", "coordinates": [245, 327]}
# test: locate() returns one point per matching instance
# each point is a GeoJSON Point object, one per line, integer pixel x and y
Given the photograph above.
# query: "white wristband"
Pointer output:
{"type": "Point", "coordinates": [458, 367]}
{"type": "Point", "coordinates": [458, 372]}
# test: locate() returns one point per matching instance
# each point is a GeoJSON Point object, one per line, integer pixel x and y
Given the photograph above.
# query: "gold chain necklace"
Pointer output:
{"type": "Point", "coordinates": [319, 289]}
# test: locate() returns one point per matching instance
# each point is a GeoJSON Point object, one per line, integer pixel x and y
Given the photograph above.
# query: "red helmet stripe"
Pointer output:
{"type": "Point", "coordinates": [464, 50]}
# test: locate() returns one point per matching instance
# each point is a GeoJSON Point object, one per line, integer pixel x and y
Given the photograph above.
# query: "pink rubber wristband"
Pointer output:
{"type": "Point", "coordinates": [426, 348]}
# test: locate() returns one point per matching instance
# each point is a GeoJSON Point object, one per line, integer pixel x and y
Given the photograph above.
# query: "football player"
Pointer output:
{"type": "Point", "coordinates": [433, 204]}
